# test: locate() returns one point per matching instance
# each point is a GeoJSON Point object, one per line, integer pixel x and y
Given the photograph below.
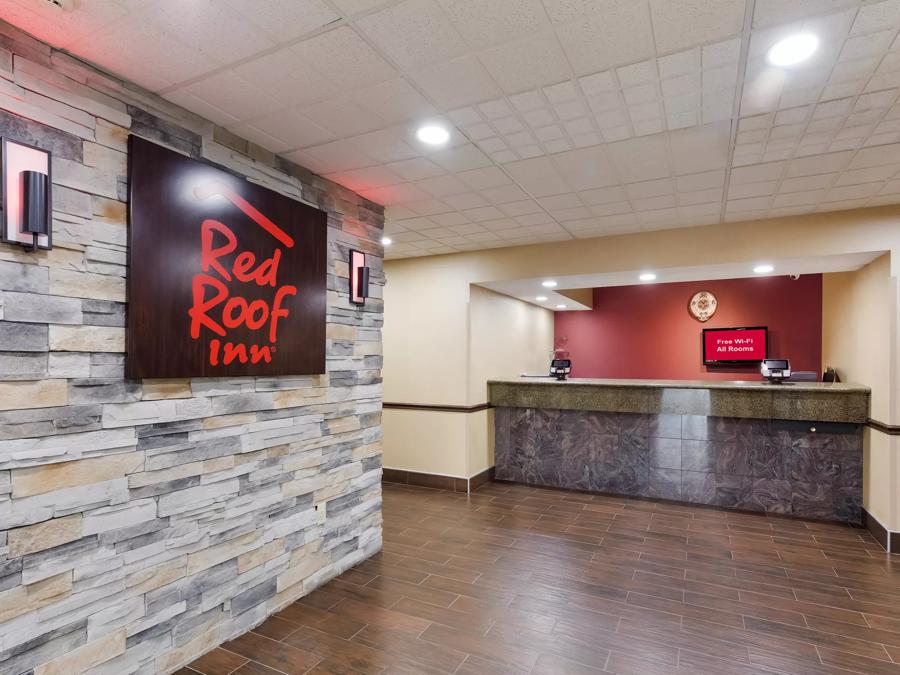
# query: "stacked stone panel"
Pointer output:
{"type": "Point", "coordinates": [142, 523]}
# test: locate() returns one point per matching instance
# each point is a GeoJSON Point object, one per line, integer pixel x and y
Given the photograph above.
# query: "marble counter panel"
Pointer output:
{"type": "Point", "coordinates": [776, 466]}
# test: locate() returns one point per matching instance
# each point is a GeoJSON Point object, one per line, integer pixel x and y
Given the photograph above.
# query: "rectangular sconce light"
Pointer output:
{"type": "Point", "coordinates": [359, 278]}
{"type": "Point", "coordinates": [26, 190]}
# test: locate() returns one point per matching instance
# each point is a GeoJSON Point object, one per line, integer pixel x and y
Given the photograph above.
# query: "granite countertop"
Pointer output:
{"type": "Point", "coordinates": [689, 384]}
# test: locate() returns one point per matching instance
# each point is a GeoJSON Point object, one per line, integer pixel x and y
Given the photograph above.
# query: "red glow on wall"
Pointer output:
{"type": "Point", "coordinates": [645, 331]}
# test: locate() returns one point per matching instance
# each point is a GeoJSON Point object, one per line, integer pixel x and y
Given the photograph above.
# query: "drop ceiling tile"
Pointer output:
{"type": "Point", "coordinates": [585, 169]}
{"type": "Point", "coordinates": [520, 208]}
{"type": "Point", "coordinates": [485, 23]}
{"type": "Point", "coordinates": [442, 186]}
{"type": "Point", "coordinates": [769, 12]}
{"type": "Point", "coordinates": [709, 196]}
{"type": "Point", "coordinates": [527, 64]}
{"type": "Point", "coordinates": [456, 83]}
{"type": "Point", "coordinates": [341, 117]}
{"type": "Point", "coordinates": [621, 34]}
{"type": "Point", "coordinates": [200, 107]}
{"type": "Point", "coordinates": [562, 92]}
{"type": "Point", "coordinates": [744, 190]}
{"type": "Point", "coordinates": [640, 159]}
{"type": "Point", "coordinates": [598, 83]}
{"type": "Point", "coordinates": [568, 200]}
{"type": "Point", "coordinates": [867, 175]}
{"type": "Point", "coordinates": [559, 145]}
{"type": "Point", "coordinates": [846, 192]}
{"type": "Point", "coordinates": [680, 24]}
{"type": "Point", "coordinates": [479, 132]}
{"type": "Point", "coordinates": [283, 75]}
{"type": "Point", "coordinates": [528, 101]}
{"type": "Point", "coordinates": [483, 213]}
{"type": "Point", "coordinates": [803, 198]}
{"type": "Point", "coordinates": [467, 200]}
{"type": "Point", "coordinates": [340, 155]}
{"type": "Point", "coordinates": [611, 209]}
{"type": "Point", "coordinates": [404, 193]}
{"type": "Point", "coordinates": [651, 188]}
{"type": "Point", "coordinates": [802, 183]}
{"type": "Point", "coordinates": [507, 125]}
{"type": "Point", "coordinates": [344, 58]}
{"type": "Point", "coordinates": [809, 166]}
{"type": "Point", "coordinates": [239, 97]}
{"type": "Point", "coordinates": [481, 179]}
{"type": "Point", "coordinates": [495, 109]}
{"type": "Point", "coordinates": [211, 27]}
{"type": "Point", "coordinates": [605, 195]}
{"type": "Point", "coordinates": [569, 215]}
{"type": "Point", "coordinates": [415, 169]}
{"type": "Point", "coordinates": [504, 194]}
{"type": "Point", "coordinates": [492, 145]}
{"type": "Point", "coordinates": [141, 52]}
{"type": "Point", "coordinates": [749, 207]}
{"type": "Point", "coordinates": [505, 156]}
{"type": "Point", "coordinates": [429, 207]}
{"type": "Point", "coordinates": [638, 74]}
{"type": "Point", "coordinates": [394, 101]}
{"type": "Point", "coordinates": [462, 158]}
{"type": "Point", "coordinates": [414, 33]}
{"type": "Point", "coordinates": [757, 172]}
{"type": "Point", "coordinates": [682, 63]}
{"type": "Point", "coordinates": [654, 203]}
{"type": "Point", "coordinates": [362, 180]}
{"type": "Point", "coordinates": [284, 20]}
{"type": "Point", "coordinates": [875, 156]}
{"type": "Point", "coordinates": [293, 129]}
{"type": "Point", "coordinates": [586, 140]}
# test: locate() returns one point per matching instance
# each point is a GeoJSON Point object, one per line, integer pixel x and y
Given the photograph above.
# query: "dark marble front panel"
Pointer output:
{"type": "Point", "coordinates": [805, 469]}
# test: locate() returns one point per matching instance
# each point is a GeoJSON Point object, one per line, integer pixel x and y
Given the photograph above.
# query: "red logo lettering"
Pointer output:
{"type": "Point", "coordinates": [216, 302]}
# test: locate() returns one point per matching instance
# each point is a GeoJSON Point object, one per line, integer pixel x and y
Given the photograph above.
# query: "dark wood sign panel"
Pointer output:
{"type": "Point", "coordinates": [225, 277]}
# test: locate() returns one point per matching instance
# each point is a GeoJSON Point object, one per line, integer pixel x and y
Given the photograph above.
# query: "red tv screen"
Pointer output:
{"type": "Point", "coordinates": [734, 345]}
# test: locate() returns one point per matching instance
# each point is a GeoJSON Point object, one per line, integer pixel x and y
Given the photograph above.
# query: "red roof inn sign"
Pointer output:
{"type": "Point", "coordinates": [225, 277]}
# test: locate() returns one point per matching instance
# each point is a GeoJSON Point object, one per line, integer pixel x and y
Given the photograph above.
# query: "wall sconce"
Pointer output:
{"type": "Point", "coordinates": [26, 196]}
{"type": "Point", "coordinates": [359, 278]}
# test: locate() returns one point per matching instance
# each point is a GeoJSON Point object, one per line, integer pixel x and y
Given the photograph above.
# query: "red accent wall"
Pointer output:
{"type": "Point", "coordinates": [646, 331]}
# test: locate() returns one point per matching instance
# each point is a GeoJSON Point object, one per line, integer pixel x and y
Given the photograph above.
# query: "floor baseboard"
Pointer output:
{"type": "Point", "coordinates": [437, 481]}
{"type": "Point", "coordinates": [888, 539]}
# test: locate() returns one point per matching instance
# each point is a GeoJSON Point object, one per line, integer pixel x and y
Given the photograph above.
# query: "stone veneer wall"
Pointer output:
{"type": "Point", "coordinates": [144, 522]}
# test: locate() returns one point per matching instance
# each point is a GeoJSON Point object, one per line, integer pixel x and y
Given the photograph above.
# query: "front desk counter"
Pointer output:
{"type": "Point", "coordinates": [793, 449]}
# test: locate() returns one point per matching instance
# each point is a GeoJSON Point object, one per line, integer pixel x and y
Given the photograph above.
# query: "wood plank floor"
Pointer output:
{"type": "Point", "coordinates": [515, 579]}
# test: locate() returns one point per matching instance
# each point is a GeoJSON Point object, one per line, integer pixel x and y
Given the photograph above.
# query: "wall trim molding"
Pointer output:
{"type": "Point", "coordinates": [436, 407]}
{"type": "Point", "coordinates": [437, 481]}
{"type": "Point", "coordinates": [884, 427]}
{"type": "Point", "coordinates": [888, 539]}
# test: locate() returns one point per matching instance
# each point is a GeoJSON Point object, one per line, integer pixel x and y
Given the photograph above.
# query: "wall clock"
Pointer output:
{"type": "Point", "coordinates": [703, 305]}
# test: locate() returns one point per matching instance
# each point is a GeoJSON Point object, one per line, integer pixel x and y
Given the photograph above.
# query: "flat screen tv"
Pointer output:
{"type": "Point", "coordinates": [735, 346]}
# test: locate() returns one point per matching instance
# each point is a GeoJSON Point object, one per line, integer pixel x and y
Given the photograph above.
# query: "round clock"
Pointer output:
{"type": "Point", "coordinates": [703, 305]}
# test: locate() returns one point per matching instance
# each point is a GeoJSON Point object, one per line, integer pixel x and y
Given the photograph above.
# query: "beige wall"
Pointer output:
{"type": "Point", "coordinates": [443, 353]}
{"type": "Point", "coordinates": [859, 339]}
{"type": "Point", "coordinates": [435, 354]}
{"type": "Point", "coordinates": [507, 337]}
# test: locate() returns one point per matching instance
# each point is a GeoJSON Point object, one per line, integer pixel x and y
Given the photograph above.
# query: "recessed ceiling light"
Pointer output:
{"type": "Point", "coordinates": [549, 283]}
{"type": "Point", "coordinates": [763, 269]}
{"type": "Point", "coordinates": [386, 241]}
{"type": "Point", "coordinates": [647, 276]}
{"type": "Point", "coordinates": [541, 298]}
{"type": "Point", "coordinates": [561, 306]}
{"type": "Point", "coordinates": [793, 49]}
{"type": "Point", "coordinates": [433, 134]}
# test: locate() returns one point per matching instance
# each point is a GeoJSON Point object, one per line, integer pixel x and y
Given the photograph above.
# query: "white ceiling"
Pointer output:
{"type": "Point", "coordinates": [528, 290]}
{"type": "Point", "coordinates": [571, 118]}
